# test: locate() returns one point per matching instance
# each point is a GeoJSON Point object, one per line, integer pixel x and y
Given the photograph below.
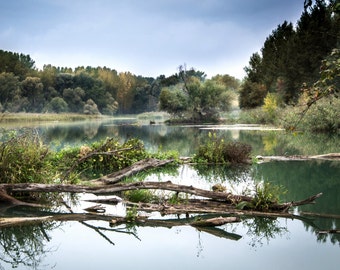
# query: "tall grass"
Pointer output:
{"type": "Point", "coordinates": [23, 158]}
{"type": "Point", "coordinates": [38, 117]}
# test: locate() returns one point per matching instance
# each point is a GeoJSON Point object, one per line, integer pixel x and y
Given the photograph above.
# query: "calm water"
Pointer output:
{"type": "Point", "coordinates": [256, 243]}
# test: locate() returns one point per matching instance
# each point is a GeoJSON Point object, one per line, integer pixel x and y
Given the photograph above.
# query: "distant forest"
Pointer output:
{"type": "Point", "coordinates": [290, 58]}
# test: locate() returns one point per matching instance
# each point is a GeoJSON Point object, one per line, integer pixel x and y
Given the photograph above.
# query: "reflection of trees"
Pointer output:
{"type": "Point", "coordinates": [24, 245]}
{"type": "Point", "coordinates": [263, 229]}
{"type": "Point", "coordinates": [303, 178]}
{"type": "Point", "coordinates": [223, 173]}
{"type": "Point", "coordinates": [320, 224]}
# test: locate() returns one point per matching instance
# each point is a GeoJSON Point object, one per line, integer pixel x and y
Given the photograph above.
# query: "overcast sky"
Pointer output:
{"type": "Point", "coordinates": [145, 37]}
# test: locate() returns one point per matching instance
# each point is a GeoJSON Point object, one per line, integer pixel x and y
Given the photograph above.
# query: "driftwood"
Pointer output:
{"type": "Point", "coordinates": [204, 201]}
{"type": "Point", "coordinates": [224, 199]}
{"type": "Point", "coordinates": [137, 167]}
{"type": "Point", "coordinates": [330, 156]}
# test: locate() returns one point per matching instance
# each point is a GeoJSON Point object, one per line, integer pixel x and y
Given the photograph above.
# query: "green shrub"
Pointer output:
{"type": "Point", "coordinates": [266, 194]}
{"type": "Point", "coordinates": [142, 195]}
{"type": "Point", "coordinates": [270, 108]}
{"type": "Point", "coordinates": [253, 116]}
{"type": "Point", "coordinates": [100, 158]}
{"type": "Point", "coordinates": [25, 159]}
{"type": "Point", "coordinates": [218, 151]}
{"type": "Point", "coordinates": [324, 116]}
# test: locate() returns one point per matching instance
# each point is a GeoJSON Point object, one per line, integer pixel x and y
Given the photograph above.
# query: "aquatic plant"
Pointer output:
{"type": "Point", "coordinates": [217, 150]}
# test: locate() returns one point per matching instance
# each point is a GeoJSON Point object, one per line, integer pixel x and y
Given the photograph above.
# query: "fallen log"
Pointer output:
{"type": "Point", "coordinates": [109, 189]}
{"type": "Point", "coordinates": [137, 167]}
{"type": "Point", "coordinates": [330, 156]}
{"type": "Point", "coordinates": [222, 197]}
{"type": "Point", "coordinates": [5, 198]}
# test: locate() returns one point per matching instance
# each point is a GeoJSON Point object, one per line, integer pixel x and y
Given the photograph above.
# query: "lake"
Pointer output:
{"type": "Point", "coordinates": [256, 243]}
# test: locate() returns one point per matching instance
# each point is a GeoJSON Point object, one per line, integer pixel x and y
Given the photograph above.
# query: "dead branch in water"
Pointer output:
{"type": "Point", "coordinates": [142, 165]}
{"type": "Point", "coordinates": [329, 156]}
{"type": "Point", "coordinates": [223, 199]}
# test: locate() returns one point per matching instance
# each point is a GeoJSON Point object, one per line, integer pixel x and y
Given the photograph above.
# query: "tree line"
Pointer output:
{"type": "Point", "coordinates": [291, 58]}
{"type": "Point", "coordinates": [89, 90]}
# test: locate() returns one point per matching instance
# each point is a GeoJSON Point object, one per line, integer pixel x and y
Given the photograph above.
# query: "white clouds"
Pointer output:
{"type": "Point", "coordinates": [149, 38]}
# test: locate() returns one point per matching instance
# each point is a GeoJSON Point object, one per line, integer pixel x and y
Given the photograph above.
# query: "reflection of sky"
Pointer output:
{"type": "Point", "coordinates": [185, 248]}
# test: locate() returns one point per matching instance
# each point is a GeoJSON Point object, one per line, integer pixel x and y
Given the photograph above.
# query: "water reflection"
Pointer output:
{"type": "Point", "coordinates": [186, 138]}
{"type": "Point", "coordinates": [49, 245]}
{"type": "Point", "coordinates": [25, 245]}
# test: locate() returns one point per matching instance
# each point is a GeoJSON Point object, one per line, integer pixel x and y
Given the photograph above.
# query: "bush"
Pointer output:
{"type": "Point", "coordinates": [270, 107]}
{"type": "Point", "coordinates": [141, 195]}
{"type": "Point", "coordinates": [218, 151]}
{"type": "Point", "coordinates": [324, 116]}
{"type": "Point", "coordinates": [253, 116]}
{"type": "Point", "coordinates": [101, 157]}
{"type": "Point", "coordinates": [24, 158]}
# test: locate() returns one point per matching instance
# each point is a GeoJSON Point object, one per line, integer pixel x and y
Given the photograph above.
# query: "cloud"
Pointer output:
{"type": "Point", "coordinates": [149, 38]}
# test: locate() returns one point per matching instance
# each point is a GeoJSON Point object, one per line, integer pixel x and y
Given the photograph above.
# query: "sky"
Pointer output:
{"type": "Point", "coordinates": [145, 37]}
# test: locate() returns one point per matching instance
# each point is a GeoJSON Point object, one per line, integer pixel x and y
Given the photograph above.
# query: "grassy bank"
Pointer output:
{"type": "Point", "coordinates": [42, 117]}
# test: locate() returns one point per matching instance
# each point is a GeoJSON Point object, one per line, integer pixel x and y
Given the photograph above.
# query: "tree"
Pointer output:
{"type": "Point", "coordinates": [292, 57]}
{"type": "Point", "coordinates": [200, 101]}
{"type": "Point", "coordinates": [252, 94]}
{"type": "Point", "coordinates": [32, 89]}
{"type": "Point", "coordinates": [57, 105]}
{"type": "Point", "coordinates": [277, 59]}
{"type": "Point", "coordinates": [91, 107]}
{"type": "Point", "coordinates": [206, 100]}
{"type": "Point", "coordinates": [228, 81]}
{"type": "Point", "coordinates": [125, 91]}
{"type": "Point", "coordinates": [9, 87]}
{"type": "Point", "coordinates": [316, 36]}
{"type": "Point", "coordinates": [20, 65]}
{"type": "Point", "coordinates": [74, 99]}
{"type": "Point", "coordinates": [63, 81]}
{"type": "Point", "coordinates": [111, 105]}
{"type": "Point", "coordinates": [173, 100]}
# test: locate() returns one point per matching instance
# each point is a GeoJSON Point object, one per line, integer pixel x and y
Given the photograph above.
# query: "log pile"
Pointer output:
{"type": "Point", "coordinates": [203, 201]}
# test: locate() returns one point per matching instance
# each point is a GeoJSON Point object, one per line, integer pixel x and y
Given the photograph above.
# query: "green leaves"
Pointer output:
{"type": "Point", "coordinates": [216, 151]}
